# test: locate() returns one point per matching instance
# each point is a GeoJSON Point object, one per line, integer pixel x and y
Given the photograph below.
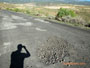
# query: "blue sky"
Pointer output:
{"type": "Point", "coordinates": [61, 0]}
{"type": "Point", "coordinates": [84, 0]}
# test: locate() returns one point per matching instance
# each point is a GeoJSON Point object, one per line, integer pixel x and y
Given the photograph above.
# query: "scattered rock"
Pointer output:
{"type": "Point", "coordinates": [50, 17]}
{"type": "Point", "coordinates": [38, 14]}
{"type": "Point", "coordinates": [73, 20]}
{"type": "Point", "coordinates": [87, 25]}
{"type": "Point", "coordinates": [53, 50]}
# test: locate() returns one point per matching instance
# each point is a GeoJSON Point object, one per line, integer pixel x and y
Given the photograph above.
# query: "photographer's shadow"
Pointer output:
{"type": "Point", "coordinates": [17, 58]}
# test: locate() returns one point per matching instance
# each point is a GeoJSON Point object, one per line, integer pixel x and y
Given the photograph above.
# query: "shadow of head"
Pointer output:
{"type": "Point", "coordinates": [17, 58]}
{"type": "Point", "coordinates": [19, 47]}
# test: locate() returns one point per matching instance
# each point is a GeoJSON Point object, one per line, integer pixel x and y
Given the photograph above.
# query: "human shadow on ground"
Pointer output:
{"type": "Point", "coordinates": [17, 58]}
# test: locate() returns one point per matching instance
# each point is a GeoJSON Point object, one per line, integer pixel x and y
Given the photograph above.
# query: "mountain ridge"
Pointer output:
{"type": "Point", "coordinates": [78, 2]}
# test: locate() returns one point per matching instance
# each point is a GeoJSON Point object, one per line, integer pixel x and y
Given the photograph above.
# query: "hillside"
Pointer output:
{"type": "Point", "coordinates": [50, 11]}
{"type": "Point", "coordinates": [79, 2]}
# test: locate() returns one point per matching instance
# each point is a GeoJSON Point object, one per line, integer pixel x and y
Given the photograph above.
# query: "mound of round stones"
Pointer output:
{"type": "Point", "coordinates": [53, 50]}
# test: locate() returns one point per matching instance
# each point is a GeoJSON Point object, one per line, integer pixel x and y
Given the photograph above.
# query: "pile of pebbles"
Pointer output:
{"type": "Point", "coordinates": [53, 50]}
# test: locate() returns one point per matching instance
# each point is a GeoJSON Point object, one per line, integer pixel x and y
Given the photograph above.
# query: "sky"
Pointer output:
{"type": "Point", "coordinates": [64, 0]}
{"type": "Point", "coordinates": [84, 0]}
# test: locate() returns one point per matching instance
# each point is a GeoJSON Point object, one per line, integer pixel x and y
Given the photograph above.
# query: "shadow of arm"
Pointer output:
{"type": "Point", "coordinates": [27, 52]}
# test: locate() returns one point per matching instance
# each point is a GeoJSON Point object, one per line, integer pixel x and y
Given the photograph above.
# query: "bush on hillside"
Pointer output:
{"type": "Point", "coordinates": [27, 11]}
{"type": "Point", "coordinates": [65, 12]}
{"type": "Point", "coordinates": [16, 10]}
{"type": "Point", "coordinates": [67, 15]}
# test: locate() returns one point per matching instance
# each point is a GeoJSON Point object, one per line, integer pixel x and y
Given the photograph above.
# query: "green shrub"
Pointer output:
{"type": "Point", "coordinates": [16, 10]}
{"type": "Point", "coordinates": [27, 11]}
{"type": "Point", "coordinates": [9, 8]}
{"type": "Point", "coordinates": [65, 12]}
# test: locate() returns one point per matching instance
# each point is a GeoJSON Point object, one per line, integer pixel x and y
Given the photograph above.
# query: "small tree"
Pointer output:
{"type": "Point", "coordinates": [65, 12]}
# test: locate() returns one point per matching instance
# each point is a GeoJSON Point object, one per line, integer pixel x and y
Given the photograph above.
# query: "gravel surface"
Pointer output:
{"type": "Point", "coordinates": [55, 43]}
{"type": "Point", "coordinates": [53, 50]}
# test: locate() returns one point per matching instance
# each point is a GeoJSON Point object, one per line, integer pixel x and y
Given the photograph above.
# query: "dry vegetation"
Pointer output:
{"type": "Point", "coordinates": [49, 11]}
{"type": "Point", "coordinates": [6, 5]}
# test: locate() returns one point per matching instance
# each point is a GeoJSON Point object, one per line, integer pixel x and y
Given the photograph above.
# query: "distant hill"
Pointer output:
{"type": "Point", "coordinates": [78, 2]}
